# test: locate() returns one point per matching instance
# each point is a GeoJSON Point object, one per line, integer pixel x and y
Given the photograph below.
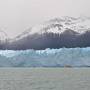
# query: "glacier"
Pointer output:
{"type": "Point", "coordinates": [73, 57]}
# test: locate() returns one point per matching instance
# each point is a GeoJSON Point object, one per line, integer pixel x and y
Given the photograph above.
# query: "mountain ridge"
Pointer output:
{"type": "Point", "coordinates": [69, 32]}
{"type": "Point", "coordinates": [58, 25]}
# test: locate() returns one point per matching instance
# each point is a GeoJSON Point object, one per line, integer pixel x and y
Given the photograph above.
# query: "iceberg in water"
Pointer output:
{"type": "Point", "coordinates": [75, 57]}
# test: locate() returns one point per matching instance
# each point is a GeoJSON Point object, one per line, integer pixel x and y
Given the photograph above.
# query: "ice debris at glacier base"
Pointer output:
{"type": "Point", "coordinates": [75, 57]}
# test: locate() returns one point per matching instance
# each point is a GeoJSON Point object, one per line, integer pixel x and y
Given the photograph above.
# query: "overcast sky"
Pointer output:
{"type": "Point", "coordinates": [18, 15]}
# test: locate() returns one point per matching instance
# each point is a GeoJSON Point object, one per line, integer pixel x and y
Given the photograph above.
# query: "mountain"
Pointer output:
{"type": "Point", "coordinates": [3, 39]}
{"type": "Point", "coordinates": [59, 25]}
{"type": "Point", "coordinates": [60, 32]}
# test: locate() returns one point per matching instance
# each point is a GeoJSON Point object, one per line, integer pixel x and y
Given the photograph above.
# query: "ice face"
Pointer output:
{"type": "Point", "coordinates": [75, 57]}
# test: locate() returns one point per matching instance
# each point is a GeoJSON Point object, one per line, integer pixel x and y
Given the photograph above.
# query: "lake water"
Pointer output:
{"type": "Point", "coordinates": [44, 78]}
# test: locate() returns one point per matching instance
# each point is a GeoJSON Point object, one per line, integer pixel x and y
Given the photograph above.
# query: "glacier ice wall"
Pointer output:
{"type": "Point", "coordinates": [75, 57]}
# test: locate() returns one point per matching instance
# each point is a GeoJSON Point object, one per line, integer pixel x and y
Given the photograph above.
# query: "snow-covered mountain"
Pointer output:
{"type": "Point", "coordinates": [3, 39]}
{"type": "Point", "coordinates": [59, 25]}
{"type": "Point", "coordinates": [60, 32]}
{"type": "Point", "coordinates": [3, 36]}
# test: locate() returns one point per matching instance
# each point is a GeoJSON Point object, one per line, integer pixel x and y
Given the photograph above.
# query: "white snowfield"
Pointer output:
{"type": "Point", "coordinates": [80, 25]}
{"type": "Point", "coordinates": [72, 57]}
{"type": "Point", "coordinates": [44, 79]}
